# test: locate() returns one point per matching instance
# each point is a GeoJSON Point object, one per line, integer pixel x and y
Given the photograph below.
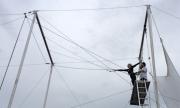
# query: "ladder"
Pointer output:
{"type": "Point", "coordinates": [140, 90]}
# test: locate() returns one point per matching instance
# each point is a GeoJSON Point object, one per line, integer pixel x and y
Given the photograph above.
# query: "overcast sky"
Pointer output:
{"type": "Point", "coordinates": [114, 34]}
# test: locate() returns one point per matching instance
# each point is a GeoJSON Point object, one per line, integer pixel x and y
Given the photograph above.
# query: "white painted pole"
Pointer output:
{"type": "Point", "coordinates": [21, 64]}
{"type": "Point", "coordinates": [153, 57]}
{"type": "Point", "coordinates": [48, 85]}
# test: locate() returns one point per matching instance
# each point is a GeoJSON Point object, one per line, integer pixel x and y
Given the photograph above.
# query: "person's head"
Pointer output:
{"type": "Point", "coordinates": [129, 65]}
{"type": "Point", "coordinates": [144, 64]}
{"type": "Point", "coordinates": [141, 66]}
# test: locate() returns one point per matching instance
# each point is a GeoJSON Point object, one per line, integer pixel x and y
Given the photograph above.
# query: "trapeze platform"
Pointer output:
{"type": "Point", "coordinates": [139, 92]}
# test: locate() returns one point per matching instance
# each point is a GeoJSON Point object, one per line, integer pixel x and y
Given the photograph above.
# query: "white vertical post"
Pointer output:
{"type": "Point", "coordinates": [48, 85]}
{"type": "Point", "coordinates": [21, 64]}
{"type": "Point", "coordinates": [153, 57]}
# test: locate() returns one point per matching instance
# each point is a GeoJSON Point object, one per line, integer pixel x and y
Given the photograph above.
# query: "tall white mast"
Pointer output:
{"type": "Point", "coordinates": [153, 57]}
{"type": "Point", "coordinates": [48, 85]}
{"type": "Point", "coordinates": [21, 63]}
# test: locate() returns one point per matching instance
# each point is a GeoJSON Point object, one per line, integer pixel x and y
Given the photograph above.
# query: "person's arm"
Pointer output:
{"type": "Point", "coordinates": [136, 64]}
{"type": "Point", "coordinates": [120, 69]}
{"type": "Point", "coordinates": [138, 72]}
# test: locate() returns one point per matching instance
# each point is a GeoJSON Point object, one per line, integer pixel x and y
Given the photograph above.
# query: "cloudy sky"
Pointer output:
{"type": "Point", "coordinates": [114, 34]}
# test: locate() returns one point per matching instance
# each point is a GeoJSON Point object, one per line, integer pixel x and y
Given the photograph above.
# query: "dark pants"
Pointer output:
{"type": "Point", "coordinates": [143, 79]}
{"type": "Point", "coordinates": [133, 78]}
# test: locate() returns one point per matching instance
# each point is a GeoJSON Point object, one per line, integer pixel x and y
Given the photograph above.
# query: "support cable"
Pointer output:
{"type": "Point", "coordinates": [10, 14]}
{"type": "Point", "coordinates": [61, 54]}
{"type": "Point", "coordinates": [101, 98]}
{"type": "Point", "coordinates": [92, 9]}
{"type": "Point", "coordinates": [86, 50]}
{"type": "Point", "coordinates": [167, 13]}
{"type": "Point", "coordinates": [154, 21]}
{"type": "Point", "coordinates": [118, 59]}
{"type": "Point", "coordinates": [38, 44]}
{"type": "Point", "coordinates": [11, 21]}
{"type": "Point", "coordinates": [71, 41]}
{"type": "Point", "coordinates": [81, 48]}
{"type": "Point", "coordinates": [76, 54]}
{"type": "Point", "coordinates": [15, 44]}
{"type": "Point", "coordinates": [68, 87]}
{"type": "Point", "coordinates": [44, 38]}
{"type": "Point", "coordinates": [107, 68]}
{"type": "Point", "coordinates": [32, 90]}
{"type": "Point", "coordinates": [21, 65]}
{"type": "Point", "coordinates": [78, 68]}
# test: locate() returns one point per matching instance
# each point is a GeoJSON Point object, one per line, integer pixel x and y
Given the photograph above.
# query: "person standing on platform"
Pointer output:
{"type": "Point", "coordinates": [130, 71]}
{"type": "Point", "coordinates": [143, 71]}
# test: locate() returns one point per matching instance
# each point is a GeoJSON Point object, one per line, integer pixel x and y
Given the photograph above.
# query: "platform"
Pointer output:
{"type": "Point", "coordinates": [142, 93]}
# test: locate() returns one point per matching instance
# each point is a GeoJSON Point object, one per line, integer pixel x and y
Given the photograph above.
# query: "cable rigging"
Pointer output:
{"type": "Point", "coordinates": [11, 21]}
{"type": "Point", "coordinates": [68, 87]}
{"type": "Point", "coordinates": [15, 44]}
{"type": "Point", "coordinates": [86, 50]}
{"type": "Point", "coordinates": [167, 13]}
{"type": "Point", "coordinates": [32, 89]}
{"type": "Point", "coordinates": [101, 98]}
{"type": "Point", "coordinates": [78, 68]}
{"type": "Point", "coordinates": [37, 44]}
{"type": "Point", "coordinates": [118, 59]}
{"type": "Point", "coordinates": [10, 14]}
{"type": "Point", "coordinates": [83, 59]}
{"type": "Point", "coordinates": [92, 9]}
{"type": "Point", "coordinates": [70, 40]}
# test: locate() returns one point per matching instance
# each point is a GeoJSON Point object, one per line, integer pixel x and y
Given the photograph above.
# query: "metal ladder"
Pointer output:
{"type": "Point", "coordinates": [141, 92]}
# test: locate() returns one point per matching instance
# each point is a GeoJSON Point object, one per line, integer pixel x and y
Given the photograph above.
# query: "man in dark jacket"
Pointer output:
{"type": "Point", "coordinates": [130, 71]}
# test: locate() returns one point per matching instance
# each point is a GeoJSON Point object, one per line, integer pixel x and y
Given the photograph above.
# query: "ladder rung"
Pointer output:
{"type": "Point", "coordinates": [143, 98]}
{"type": "Point", "coordinates": [142, 92]}
{"type": "Point", "coordinates": [141, 87]}
{"type": "Point", "coordinates": [144, 104]}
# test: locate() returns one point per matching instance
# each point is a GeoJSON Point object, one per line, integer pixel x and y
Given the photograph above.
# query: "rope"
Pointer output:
{"type": "Point", "coordinates": [84, 49]}
{"type": "Point", "coordinates": [37, 44]}
{"type": "Point", "coordinates": [154, 21]}
{"type": "Point", "coordinates": [76, 54]}
{"type": "Point", "coordinates": [56, 52]}
{"type": "Point", "coordinates": [11, 21]}
{"type": "Point", "coordinates": [91, 55]}
{"type": "Point", "coordinates": [167, 13]}
{"type": "Point", "coordinates": [23, 65]}
{"type": "Point", "coordinates": [10, 14]}
{"type": "Point", "coordinates": [92, 9]}
{"type": "Point", "coordinates": [12, 53]}
{"type": "Point", "coordinates": [70, 40]}
{"type": "Point", "coordinates": [32, 89]}
{"type": "Point", "coordinates": [68, 87]}
{"type": "Point", "coordinates": [101, 98]}
{"type": "Point", "coordinates": [80, 68]}
{"type": "Point", "coordinates": [118, 59]}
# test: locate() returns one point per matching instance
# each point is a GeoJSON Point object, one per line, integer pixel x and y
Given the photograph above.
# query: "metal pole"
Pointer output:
{"type": "Point", "coordinates": [153, 57]}
{"type": "Point", "coordinates": [44, 39]}
{"type": "Point", "coordinates": [143, 35]}
{"type": "Point", "coordinates": [12, 53]}
{"type": "Point", "coordinates": [21, 64]}
{"type": "Point", "coordinates": [48, 85]}
{"type": "Point", "coordinates": [50, 57]}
